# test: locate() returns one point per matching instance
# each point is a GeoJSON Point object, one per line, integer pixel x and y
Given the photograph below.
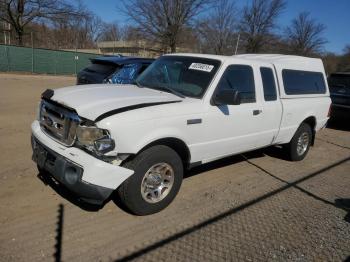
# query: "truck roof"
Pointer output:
{"type": "Point", "coordinates": [314, 64]}
{"type": "Point", "coordinates": [278, 58]}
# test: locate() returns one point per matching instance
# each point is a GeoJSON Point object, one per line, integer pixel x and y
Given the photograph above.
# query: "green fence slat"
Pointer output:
{"type": "Point", "coordinates": [20, 59]}
{"type": "Point", "coordinates": [46, 61]}
{"type": "Point", "coordinates": [3, 58]}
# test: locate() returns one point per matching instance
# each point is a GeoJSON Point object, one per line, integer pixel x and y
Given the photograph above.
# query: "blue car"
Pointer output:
{"type": "Point", "coordinates": [113, 69]}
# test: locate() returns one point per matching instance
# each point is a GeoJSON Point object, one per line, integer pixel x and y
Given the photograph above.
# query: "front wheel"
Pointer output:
{"type": "Point", "coordinates": [155, 183]}
{"type": "Point", "coordinates": [299, 146]}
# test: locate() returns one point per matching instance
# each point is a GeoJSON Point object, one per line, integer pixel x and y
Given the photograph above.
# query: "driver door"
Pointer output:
{"type": "Point", "coordinates": [233, 129]}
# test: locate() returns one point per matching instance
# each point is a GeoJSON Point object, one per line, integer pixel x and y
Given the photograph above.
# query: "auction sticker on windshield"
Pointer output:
{"type": "Point", "coordinates": [201, 67]}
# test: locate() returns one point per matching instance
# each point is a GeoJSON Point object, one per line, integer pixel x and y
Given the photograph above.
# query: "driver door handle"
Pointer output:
{"type": "Point", "coordinates": [257, 112]}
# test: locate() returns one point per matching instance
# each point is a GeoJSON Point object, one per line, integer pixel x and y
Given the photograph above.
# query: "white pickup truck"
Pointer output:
{"type": "Point", "coordinates": [183, 110]}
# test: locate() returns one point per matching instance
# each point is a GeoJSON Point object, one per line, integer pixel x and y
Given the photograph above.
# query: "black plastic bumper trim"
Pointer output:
{"type": "Point", "coordinates": [59, 167]}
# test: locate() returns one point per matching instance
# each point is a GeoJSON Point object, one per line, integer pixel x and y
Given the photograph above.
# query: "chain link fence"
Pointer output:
{"type": "Point", "coordinates": [45, 61]}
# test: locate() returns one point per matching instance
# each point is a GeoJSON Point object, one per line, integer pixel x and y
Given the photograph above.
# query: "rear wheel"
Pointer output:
{"type": "Point", "coordinates": [299, 146]}
{"type": "Point", "coordinates": [155, 183]}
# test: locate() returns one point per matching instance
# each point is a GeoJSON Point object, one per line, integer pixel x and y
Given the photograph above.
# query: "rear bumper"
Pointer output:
{"type": "Point", "coordinates": [91, 179]}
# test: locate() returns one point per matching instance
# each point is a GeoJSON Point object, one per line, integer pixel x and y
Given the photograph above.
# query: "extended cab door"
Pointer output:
{"type": "Point", "coordinates": [254, 123]}
{"type": "Point", "coordinates": [269, 104]}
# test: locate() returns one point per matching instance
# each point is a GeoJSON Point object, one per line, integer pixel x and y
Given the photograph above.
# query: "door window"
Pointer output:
{"type": "Point", "coordinates": [240, 78]}
{"type": "Point", "coordinates": [269, 86]}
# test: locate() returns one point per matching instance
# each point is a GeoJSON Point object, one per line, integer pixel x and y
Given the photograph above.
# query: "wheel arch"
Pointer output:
{"type": "Point", "coordinates": [311, 121]}
{"type": "Point", "coordinates": [178, 145]}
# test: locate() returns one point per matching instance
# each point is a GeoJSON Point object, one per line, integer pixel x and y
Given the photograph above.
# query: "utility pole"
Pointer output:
{"type": "Point", "coordinates": [32, 41]}
{"type": "Point", "coordinates": [239, 35]}
{"type": "Point", "coordinates": [9, 36]}
{"type": "Point", "coordinates": [75, 56]}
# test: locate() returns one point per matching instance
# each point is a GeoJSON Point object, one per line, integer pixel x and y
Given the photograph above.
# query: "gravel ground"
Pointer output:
{"type": "Point", "coordinates": [255, 206]}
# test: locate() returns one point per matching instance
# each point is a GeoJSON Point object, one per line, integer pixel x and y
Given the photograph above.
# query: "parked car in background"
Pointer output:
{"type": "Point", "coordinates": [113, 70]}
{"type": "Point", "coordinates": [339, 87]}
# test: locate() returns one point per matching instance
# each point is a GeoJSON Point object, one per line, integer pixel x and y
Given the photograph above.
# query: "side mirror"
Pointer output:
{"type": "Point", "coordinates": [227, 97]}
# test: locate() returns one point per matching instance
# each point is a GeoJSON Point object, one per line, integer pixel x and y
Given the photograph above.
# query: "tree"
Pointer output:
{"type": "Point", "coordinates": [344, 63]}
{"type": "Point", "coordinates": [218, 28]}
{"type": "Point", "coordinates": [110, 32]}
{"type": "Point", "coordinates": [131, 33]}
{"type": "Point", "coordinates": [304, 35]}
{"type": "Point", "coordinates": [189, 40]}
{"type": "Point", "coordinates": [163, 20]}
{"type": "Point", "coordinates": [347, 49]}
{"type": "Point", "coordinates": [258, 22]}
{"type": "Point", "coordinates": [77, 30]}
{"type": "Point", "coordinates": [95, 27]}
{"type": "Point", "coordinates": [19, 13]}
{"type": "Point", "coordinates": [330, 62]}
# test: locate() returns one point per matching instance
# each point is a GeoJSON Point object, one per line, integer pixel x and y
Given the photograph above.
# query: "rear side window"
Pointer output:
{"type": "Point", "coordinates": [303, 82]}
{"type": "Point", "coordinates": [268, 84]}
{"type": "Point", "coordinates": [240, 78]}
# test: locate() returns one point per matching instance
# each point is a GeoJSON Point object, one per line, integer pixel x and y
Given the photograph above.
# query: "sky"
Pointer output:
{"type": "Point", "coordinates": [334, 14]}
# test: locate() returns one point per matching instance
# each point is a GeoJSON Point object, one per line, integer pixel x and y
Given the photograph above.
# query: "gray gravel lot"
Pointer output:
{"type": "Point", "coordinates": [252, 207]}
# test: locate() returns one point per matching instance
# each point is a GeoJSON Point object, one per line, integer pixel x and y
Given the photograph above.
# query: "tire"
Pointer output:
{"type": "Point", "coordinates": [141, 194]}
{"type": "Point", "coordinates": [41, 170]}
{"type": "Point", "coordinates": [299, 146]}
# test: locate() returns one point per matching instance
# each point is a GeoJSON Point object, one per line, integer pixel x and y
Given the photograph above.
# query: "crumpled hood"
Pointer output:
{"type": "Point", "coordinates": [92, 101]}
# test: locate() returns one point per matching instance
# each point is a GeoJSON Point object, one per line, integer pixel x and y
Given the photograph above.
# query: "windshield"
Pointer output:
{"type": "Point", "coordinates": [189, 76]}
{"type": "Point", "coordinates": [125, 75]}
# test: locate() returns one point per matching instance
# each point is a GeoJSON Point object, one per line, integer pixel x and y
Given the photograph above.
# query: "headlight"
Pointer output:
{"type": "Point", "coordinates": [94, 139]}
{"type": "Point", "coordinates": [104, 145]}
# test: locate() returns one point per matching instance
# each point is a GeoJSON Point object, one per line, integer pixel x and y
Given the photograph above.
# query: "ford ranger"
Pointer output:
{"type": "Point", "coordinates": [184, 110]}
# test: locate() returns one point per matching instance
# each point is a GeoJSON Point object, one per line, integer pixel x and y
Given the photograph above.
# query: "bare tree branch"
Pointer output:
{"type": "Point", "coordinates": [304, 35]}
{"type": "Point", "coordinates": [163, 20]}
{"type": "Point", "coordinates": [19, 13]}
{"type": "Point", "coordinates": [258, 22]}
{"type": "Point", "coordinates": [218, 29]}
{"type": "Point", "coordinates": [344, 63]}
{"type": "Point", "coordinates": [110, 32]}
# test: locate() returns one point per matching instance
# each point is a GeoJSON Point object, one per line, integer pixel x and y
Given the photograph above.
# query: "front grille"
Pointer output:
{"type": "Point", "coordinates": [58, 122]}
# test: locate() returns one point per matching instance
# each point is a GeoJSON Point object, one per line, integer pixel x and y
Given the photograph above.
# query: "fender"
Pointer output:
{"type": "Point", "coordinates": [159, 134]}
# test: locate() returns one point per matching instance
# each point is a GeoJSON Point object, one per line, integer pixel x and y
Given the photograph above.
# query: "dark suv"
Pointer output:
{"type": "Point", "coordinates": [113, 69]}
{"type": "Point", "coordinates": [339, 87]}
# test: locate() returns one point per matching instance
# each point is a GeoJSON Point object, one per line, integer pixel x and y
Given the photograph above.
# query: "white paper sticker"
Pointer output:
{"type": "Point", "coordinates": [201, 67]}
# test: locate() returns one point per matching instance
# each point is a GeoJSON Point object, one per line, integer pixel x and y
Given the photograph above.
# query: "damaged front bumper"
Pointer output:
{"type": "Point", "coordinates": [91, 179]}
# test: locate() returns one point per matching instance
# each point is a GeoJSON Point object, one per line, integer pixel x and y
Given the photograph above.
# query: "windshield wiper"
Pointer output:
{"type": "Point", "coordinates": [174, 92]}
